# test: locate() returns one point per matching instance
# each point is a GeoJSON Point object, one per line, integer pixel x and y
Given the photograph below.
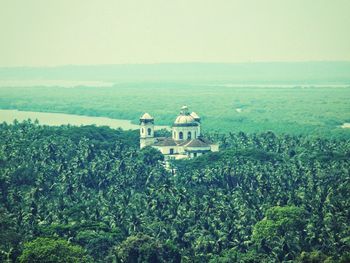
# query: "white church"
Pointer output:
{"type": "Point", "coordinates": [186, 140]}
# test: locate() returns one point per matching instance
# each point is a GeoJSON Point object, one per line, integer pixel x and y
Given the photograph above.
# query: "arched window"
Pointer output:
{"type": "Point", "coordinates": [189, 135]}
{"type": "Point", "coordinates": [195, 135]}
{"type": "Point", "coordinates": [142, 130]}
{"type": "Point", "coordinates": [181, 135]}
{"type": "Point", "coordinates": [149, 131]}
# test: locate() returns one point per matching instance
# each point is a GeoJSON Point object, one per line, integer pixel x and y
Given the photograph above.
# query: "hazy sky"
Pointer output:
{"type": "Point", "coordinates": [56, 32]}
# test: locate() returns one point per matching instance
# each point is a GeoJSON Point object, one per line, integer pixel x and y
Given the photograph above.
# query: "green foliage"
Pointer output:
{"type": "Point", "coordinates": [98, 243]}
{"type": "Point", "coordinates": [151, 156]}
{"type": "Point", "coordinates": [233, 255]}
{"type": "Point", "coordinates": [345, 258]}
{"type": "Point", "coordinates": [143, 248]}
{"type": "Point", "coordinates": [47, 250]}
{"type": "Point", "coordinates": [313, 257]}
{"type": "Point", "coordinates": [97, 238]}
{"type": "Point", "coordinates": [9, 238]}
{"type": "Point", "coordinates": [315, 111]}
{"type": "Point", "coordinates": [262, 198]}
{"type": "Point", "coordinates": [280, 232]}
{"type": "Point", "coordinates": [162, 133]}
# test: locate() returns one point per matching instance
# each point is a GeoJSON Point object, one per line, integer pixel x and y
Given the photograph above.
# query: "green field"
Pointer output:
{"type": "Point", "coordinates": [311, 110]}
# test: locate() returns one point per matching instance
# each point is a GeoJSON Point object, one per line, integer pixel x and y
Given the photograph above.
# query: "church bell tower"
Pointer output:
{"type": "Point", "coordinates": [146, 130]}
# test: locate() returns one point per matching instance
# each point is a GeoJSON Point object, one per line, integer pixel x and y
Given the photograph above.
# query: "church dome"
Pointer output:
{"type": "Point", "coordinates": [146, 116]}
{"type": "Point", "coordinates": [195, 116]}
{"type": "Point", "coordinates": [184, 118]}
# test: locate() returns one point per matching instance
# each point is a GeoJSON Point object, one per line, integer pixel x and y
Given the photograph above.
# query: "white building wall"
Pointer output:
{"type": "Point", "coordinates": [195, 132]}
{"type": "Point", "coordinates": [144, 130]}
{"type": "Point", "coordinates": [146, 138]}
{"type": "Point", "coordinates": [181, 150]}
{"type": "Point", "coordinates": [146, 142]}
{"type": "Point", "coordinates": [166, 149]}
{"type": "Point", "coordinates": [214, 147]}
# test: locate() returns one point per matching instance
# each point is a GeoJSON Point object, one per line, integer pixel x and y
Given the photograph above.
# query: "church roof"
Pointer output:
{"type": "Point", "coordinates": [195, 116]}
{"type": "Point", "coordinates": [199, 142]}
{"type": "Point", "coordinates": [203, 139]}
{"type": "Point", "coordinates": [165, 142]}
{"type": "Point", "coordinates": [195, 143]}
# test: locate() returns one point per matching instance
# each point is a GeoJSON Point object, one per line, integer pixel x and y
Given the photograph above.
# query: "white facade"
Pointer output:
{"type": "Point", "coordinates": [167, 149]}
{"type": "Point", "coordinates": [146, 130]}
{"type": "Point", "coordinates": [188, 133]}
{"type": "Point", "coordinates": [186, 140]}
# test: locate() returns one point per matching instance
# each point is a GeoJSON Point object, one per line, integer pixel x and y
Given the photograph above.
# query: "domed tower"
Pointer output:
{"type": "Point", "coordinates": [196, 117]}
{"type": "Point", "coordinates": [146, 130]}
{"type": "Point", "coordinates": [186, 127]}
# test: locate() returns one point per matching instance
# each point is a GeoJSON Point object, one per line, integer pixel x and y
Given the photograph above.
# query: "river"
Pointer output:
{"type": "Point", "coordinates": [56, 119]}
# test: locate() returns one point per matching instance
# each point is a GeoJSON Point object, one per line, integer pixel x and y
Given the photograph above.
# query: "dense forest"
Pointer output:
{"type": "Point", "coordinates": [88, 194]}
{"type": "Point", "coordinates": [294, 109]}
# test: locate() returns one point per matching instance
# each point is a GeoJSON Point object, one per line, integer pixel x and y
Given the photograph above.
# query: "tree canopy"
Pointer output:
{"type": "Point", "coordinates": [262, 198]}
{"type": "Point", "coordinates": [47, 250]}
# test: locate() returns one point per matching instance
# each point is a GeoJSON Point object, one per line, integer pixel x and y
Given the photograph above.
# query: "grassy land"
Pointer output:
{"type": "Point", "coordinates": [316, 111]}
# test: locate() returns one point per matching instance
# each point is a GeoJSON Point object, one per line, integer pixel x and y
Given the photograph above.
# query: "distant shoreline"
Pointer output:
{"type": "Point", "coordinates": [57, 119]}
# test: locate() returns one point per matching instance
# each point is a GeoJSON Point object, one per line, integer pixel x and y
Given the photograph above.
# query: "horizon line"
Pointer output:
{"type": "Point", "coordinates": [176, 63]}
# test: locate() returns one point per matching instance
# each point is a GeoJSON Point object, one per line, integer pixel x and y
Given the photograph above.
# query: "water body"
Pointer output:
{"type": "Point", "coordinates": [57, 119]}
{"type": "Point", "coordinates": [346, 125]}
